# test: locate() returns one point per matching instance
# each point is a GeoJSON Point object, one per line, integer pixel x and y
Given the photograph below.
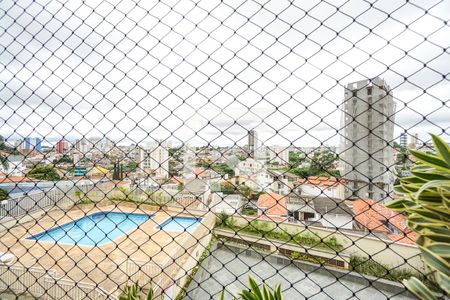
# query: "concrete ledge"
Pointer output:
{"type": "Point", "coordinates": [352, 276]}
{"type": "Point", "coordinates": [338, 259]}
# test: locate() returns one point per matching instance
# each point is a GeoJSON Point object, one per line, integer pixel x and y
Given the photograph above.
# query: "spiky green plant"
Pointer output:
{"type": "Point", "coordinates": [426, 203]}
{"type": "Point", "coordinates": [258, 293]}
{"type": "Point", "coordinates": [133, 292]}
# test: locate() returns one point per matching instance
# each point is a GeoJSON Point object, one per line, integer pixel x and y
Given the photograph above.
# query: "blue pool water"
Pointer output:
{"type": "Point", "coordinates": [93, 230]}
{"type": "Point", "coordinates": [180, 224]}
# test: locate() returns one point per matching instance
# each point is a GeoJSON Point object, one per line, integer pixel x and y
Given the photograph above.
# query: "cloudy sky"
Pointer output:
{"type": "Point", "coordinates": [206, 71]}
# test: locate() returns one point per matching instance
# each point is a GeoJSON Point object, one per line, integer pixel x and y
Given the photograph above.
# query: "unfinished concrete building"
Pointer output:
{"type": "Point", "coordinates": [366, 152]}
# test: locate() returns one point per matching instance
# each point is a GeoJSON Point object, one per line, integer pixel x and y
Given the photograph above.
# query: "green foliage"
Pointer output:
{"type": "Point", "coordinates": [256, 293]}
{"type": "Point", "coordinates": [228, 188]}
{"type": "Point", "coordinates": [249, 211]}
{"type": "Point", "coordinates": [223, 168]}
{"type": "Point", "coordinates": [323, 162]}
{"type": "Point", "coordinates": [370, 267]}
{"type": "Point", "coordinates": [65, 159]}
{"type": "Point", "coordinates": [300, 171]}
{"type": "Point", "coordinates": [296, 158]}
{"type": "Point", "coordinates": [86, 200]}
{"type": "Point", "coordinates": [155, 199]}
{"type": "Point", "coordinates": [426, 203]}
{"type": "Point", "coordinates": [124, 195]}
{"type": "Point", "coordinates": [4, 161]}
{"type": "Point", "coordinates": [4, 194]}
{"type": "Point", "coordinates": [203, 164]}
{"type": "Point", "coordinates": [117, 171]}
{"type": "Point", "coordinates": [225, 220]}
{"type": "Point", "coordinates": [245, 191]}
{"type": "Point", "coordinates": [268, 230]}
{"type": "Point", "coordinates": [131, 166]}
{"type": "Point", "coordinates": [42, 172]}
{"type": "Point", "coordinates": [304, 257]}
{"type": "Point", "coordinates": [176, 152]}
{"type": "Point", "coordinates": [134, 292]}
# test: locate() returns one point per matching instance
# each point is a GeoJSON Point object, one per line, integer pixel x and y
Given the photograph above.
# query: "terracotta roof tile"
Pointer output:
{"type": "Point", "coordinates": [275, 204]}
{"type": "Point", "coordinates": [322, 181]}
{"type": "Point", "coordinates": [374, 216]}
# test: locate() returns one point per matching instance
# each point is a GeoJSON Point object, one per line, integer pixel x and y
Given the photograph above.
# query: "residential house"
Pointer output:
{"type": "Point", "coordinates": [320, 211]}
{"type": "Point", "coordinates": [272, 206]}
{"type": "Point", "coordinates": [322, 186]}
{"type": "Point", "coordinates": [226, 203]}
{"type": "Point", "coordinates": [376, 218]}
{"type": "Point", "coordinates": [15, 166]}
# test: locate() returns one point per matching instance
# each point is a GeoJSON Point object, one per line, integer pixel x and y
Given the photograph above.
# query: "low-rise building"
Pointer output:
{"type": "Point", "coordinates": [376, 218]}
{"type": "Point", "coordinates": [322, 186]}
{"type": "Point", "coordinates": [226, 203]}
{"type": "Point", "coordinates": [272, 206]}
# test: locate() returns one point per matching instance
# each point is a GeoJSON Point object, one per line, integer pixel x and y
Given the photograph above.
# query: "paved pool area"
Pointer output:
{"type": "Point", "coordinates": [226, 268]}
{"type": "Point", "coordinates": [105, 264]}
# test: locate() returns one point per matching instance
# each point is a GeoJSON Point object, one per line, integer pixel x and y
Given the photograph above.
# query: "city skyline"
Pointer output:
{"type": "Point", "coordinates": [196, 90]}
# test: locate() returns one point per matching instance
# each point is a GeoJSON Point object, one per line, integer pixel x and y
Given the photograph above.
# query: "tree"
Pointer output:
{"type": "Point", "coordinates": [323, 162]}
{"type": "Point", "coordinates": [117, 171]}
{"type": "Point", "coordinates": [130, 167]}
{"type": "Point", "coordinates": [301, 172]}
{"type": "Point", "coordinates": [4, 194]}
{"type": "Point", "coordinates": [295, 159]}
{"type": "Point", "coordinates": [402, 157]}
{"type": "Point", "coordinates": [245, 191]}
{"type": "Point", "coordinates": [4, 161]}
{"type": "Point", "coordinates": [65, 159]}
{"type": "Point", "coordinates": [228, 188]}
{"type": "Point", "coordinates": [223, 168]}
{"type": "Point", "coordinates": [42, 172]}
{"type": "Point", "coordinates": [203, 164]}
{"type": "Point", "coordinates": [426, 203]}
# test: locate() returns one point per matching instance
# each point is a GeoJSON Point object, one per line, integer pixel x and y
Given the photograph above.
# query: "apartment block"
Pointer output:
{"type": "Point", "coordinates": [367, 124]}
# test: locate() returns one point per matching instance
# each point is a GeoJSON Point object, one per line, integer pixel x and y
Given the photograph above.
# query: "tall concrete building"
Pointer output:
{"type": "Point", "coordinates": [403, 139]}
{"type": "Point", "coordinates": [366, 151]}
{"type": "Point", "coordinates": [29, 144]}
{"type": "Point", "coordinates": [414, 140]}
{"type": "Point", "coordinates": [252, 143]}
{"type": "Point", "coordinates": [156, 158]}
{"type": "Point", "coordinates": [62, 146]}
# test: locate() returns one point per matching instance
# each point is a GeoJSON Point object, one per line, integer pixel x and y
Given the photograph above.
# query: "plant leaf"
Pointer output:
{"type": "Point", "coordinates": [442, 149]}
{"type": "Point", "coordinates": [255, 288]}
{"type": "Point", "coordinates": [430, 176]}
{"type": "Point", "coordinates": [429, 159]}
{"type": "Point", "coordinates": [416, 287]}
{"type": "Point", "coordinates": [444, 282]}
{"type": "Point", "coordinates": [434, 261]}
{"type": "Point", "coordinates": [441, 249]}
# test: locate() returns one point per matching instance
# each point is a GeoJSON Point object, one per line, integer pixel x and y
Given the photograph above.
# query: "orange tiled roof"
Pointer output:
{"type": "Point", "coordinates": [372, 215]}
{"type": "Point", "coordinates": [176, 179]}
{"type": "Point", "coordinates": [15, 179]}
{"type": "Point", "coordinates": [200, 172]}
{"type": "Point", "coordinates": [275, 204]}
{"type": "Point", "coordinates": [321, 181]}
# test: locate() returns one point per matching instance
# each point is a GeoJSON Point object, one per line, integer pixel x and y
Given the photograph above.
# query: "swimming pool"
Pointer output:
{"type": "Point", "coordinates": [93, 230]}
{"type": "Point", "coordinates": [180, 224]}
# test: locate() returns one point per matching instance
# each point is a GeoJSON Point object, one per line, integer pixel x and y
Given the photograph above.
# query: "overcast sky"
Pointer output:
{"type": "Point", "coordinates": [208, 71]}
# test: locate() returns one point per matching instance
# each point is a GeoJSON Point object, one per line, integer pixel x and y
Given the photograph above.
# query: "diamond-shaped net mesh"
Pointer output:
{"type": "Point", "coordinates": [187, 145]}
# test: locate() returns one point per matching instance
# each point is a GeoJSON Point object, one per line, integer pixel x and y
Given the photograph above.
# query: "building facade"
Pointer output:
{"type": "Point", "coordinates": [62, 146]}
{"type": "Point", "coordinates": [29, 144]}
{"type": "Point", "coordinates": [366, 151]}
{"type": "Point", "coordinates": [155, 157]}
{"type": "Point", "coordinates": [252, 143]}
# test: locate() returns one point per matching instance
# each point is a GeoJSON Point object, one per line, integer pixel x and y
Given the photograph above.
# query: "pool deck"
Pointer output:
{"type": "Point", "coordinates": [103, 265]}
